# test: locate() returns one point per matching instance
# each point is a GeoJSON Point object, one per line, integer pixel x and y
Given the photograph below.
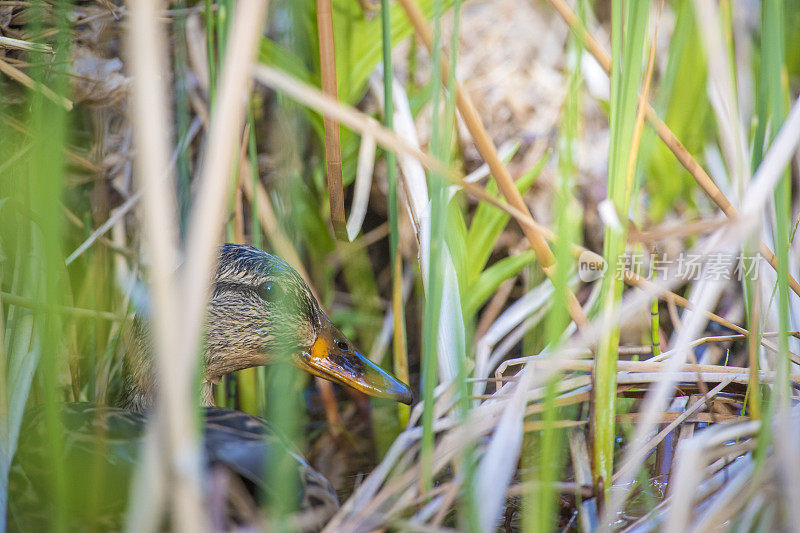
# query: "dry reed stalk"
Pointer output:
{"type": "Point", "coordinates": [584, 490]}
{"type": "Point", "coordinates": [721, 338]}
{"type": "Point", "coordinates": [172, 438]}
{"type": "Point", "coordinates": [665, 134]}
{"type": "Point", "coordinates": [635, 280]}
{"type": "Point", "coordinates": [488, 151]}
{"type": "Point", "coordinates": [19, 44]}
{"type": "Point", "coordinates": [636, 367]}
{"type": "Point", "coordinates": [178, 330]}
{"type": "Point", "coordinates": [695, 418]}
{"type": "Point", "coordinates": [333, 150]}
{"type": "Point", "coordinates": [15, 74]}
{"type": "Point", "coordinates": [78, 223]}
{"type": "Point", "coordinates": [680, 229]}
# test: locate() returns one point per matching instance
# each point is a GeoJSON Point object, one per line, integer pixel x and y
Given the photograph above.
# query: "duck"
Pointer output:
{"type": "Point", "coordinates": [260, 312]}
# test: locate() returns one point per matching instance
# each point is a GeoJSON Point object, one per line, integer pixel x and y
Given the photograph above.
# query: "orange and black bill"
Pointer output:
{"type": "Point", "coordinates": [334, 358]}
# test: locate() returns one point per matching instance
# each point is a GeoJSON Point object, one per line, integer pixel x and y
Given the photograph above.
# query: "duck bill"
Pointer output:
{"type": "Point", "coordinates": [334, 358]}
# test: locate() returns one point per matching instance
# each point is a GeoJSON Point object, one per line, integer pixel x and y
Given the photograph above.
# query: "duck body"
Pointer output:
{"type": "Point", "coordinates": [260, 312]}
{"type": "Point", "coordinates": [104, 443]}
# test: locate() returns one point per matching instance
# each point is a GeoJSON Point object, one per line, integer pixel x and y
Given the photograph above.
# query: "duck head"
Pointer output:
{"type": "Point", "coordinates": [261, 311]}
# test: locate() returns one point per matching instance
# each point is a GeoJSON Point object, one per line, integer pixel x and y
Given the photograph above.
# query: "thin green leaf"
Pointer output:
{"type": "Point", "coordinates": [489, 222]}
{"type": "Point", "coordinates": [491, 278]}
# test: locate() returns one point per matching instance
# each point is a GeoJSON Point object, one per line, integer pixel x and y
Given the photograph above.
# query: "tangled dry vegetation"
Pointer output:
{"type": "Point", "coordinates": [704, 426]}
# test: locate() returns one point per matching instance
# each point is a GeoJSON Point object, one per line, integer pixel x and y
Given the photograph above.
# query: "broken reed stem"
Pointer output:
{"type": "Point", "coordinates": [486, 147]}
{"type": "Point", "coordinates": [665, 134]}
{"type": "Point", "coordinates": [333, 154]}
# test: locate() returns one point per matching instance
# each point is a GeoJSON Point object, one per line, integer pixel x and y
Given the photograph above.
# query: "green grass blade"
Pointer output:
{"type": "Point", "coordinates": [775, 95]}
{"type": "Point", "coordinates": [399, 343]}
{"type": "Point", "coordinates": [491, 278]}
{"type": "Point", "coordinates": [540, 509]}
{"type": "Point", "coordinates": [627, 43]}
{"type": "Point", "coordinates": [436, 191]}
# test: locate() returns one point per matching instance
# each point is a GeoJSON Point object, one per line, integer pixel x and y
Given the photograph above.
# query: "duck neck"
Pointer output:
{"type": "Point", "coordinates": [140, 381]}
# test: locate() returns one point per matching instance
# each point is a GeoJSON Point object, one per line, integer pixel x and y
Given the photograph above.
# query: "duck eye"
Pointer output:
{"type": "Point", "coordinates": [342, 345]}
{"type": "Point", "coordinates": [269, 292]}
